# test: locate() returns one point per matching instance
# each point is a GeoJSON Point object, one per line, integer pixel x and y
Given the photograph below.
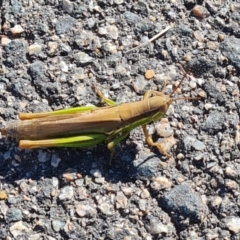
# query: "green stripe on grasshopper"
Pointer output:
{"type": "Point", "coordinates": [26, 116]}
{"type": "Point", "coordinates": [83, 141]}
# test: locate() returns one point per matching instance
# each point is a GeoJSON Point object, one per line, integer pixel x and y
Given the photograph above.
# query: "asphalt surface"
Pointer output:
{"type": "Point", "coordinates": [53, 52]}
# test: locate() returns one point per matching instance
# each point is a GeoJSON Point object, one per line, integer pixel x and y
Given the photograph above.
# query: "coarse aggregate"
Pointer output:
{"type": "Point", "coordinates": [53, 51]}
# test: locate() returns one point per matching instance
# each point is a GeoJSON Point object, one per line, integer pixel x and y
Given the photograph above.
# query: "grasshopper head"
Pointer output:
{"type": "Point", "coordinates": [166, 102]}
{"type": "Point", "coordinates": [160, 104]}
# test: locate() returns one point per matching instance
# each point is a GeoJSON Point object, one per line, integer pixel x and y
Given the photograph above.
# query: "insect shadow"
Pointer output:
{"type": "Point", "coordinates": [17, 164]}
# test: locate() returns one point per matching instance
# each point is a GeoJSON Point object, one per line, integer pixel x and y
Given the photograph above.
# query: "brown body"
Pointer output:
{"type": "Point", "coordinates": [100, 120]}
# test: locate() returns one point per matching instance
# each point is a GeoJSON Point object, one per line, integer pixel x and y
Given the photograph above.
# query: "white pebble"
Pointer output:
{"type": "Point", "coordinates": [5, 41]}
{"type": "Point", "coordinates": [34, 48]}
{"type": "Point", "coordinates": [64, 66]}
{"type": "Point", "coordinates": [17, 29]}
{"type": "Point", "coordinates": [208, 106]}
{"type": "Point", "coordinates": [233, 224]}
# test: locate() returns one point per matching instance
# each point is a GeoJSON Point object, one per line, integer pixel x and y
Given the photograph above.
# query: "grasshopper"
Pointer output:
{"type": "Point", "coordinates": [88, 126]}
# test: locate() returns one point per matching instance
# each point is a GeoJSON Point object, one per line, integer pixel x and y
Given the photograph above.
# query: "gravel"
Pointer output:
{"type": "Point", "coordinates": [53, 52]}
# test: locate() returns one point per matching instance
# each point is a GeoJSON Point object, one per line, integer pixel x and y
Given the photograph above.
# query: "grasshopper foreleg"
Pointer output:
{"type": "Point", "coordinates": [103, 98]}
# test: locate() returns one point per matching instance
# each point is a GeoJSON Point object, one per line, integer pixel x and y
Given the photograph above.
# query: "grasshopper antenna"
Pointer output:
{"type": "Point", "coordinates": [183, 98]}
{"type": "Point", "coordinates": [184, 75]}
{"type": "Point", "coordinates": [187, 98]}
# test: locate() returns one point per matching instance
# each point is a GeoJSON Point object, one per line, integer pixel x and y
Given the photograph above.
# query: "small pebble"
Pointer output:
{"type": "Point", "coordinates": [231, 184]}
{"type": "Point", "coordinates": [109, 47]}
{"type": "Point", "coordinates": [208, 106]}
{"type": "Point", "coordinates": [121, 200]}
{"type": "Point", "coordinates": [67, 6]}
{"type": "Point", "coordinates": [193, 84]}
{"type": "Point", "coordinates": [211, 45]}
{"type": "Point", "coordinates": [127, 41]}
{"type": "Point", "coordinates": [163, 182]}
{"type": "Point", "coordinates": [199, 157]}
{"type": "Point", "coordinates": [18, 228]}
{"type": "Point", "coordinates": [164, 54]}
{"type": "Point", "coordinates": [106, 209]}
{"type": "Point", "coordinates": [112, 32]}
{"type": "Point", "coordinates": [81, 192]}
{"type": "Point", "coordinates": [149, 74]}
{"type": "Point", "coordinates": [202, 94]}
{"type": "Point", "coordinates": [145, 194]}
{"type": "Point", "coordinates": [63, 66]}
{"type": "Point", "coordinates": [216, 201]}
{"type": "Point", "coordinates": [6, 26]}
{"type": "Point", "coordinates": [99, 180]}
{"type": "Point", "coordinates": [200, 81]}
{"type": "Point", "coordinates": [188, 57]}
{"type": "Point", "coordinates": [221, 36]}
{"type": "Point", "coordinates": [142, 204]}
{"type": "Point", "coordinates": [199, 36]}
{"type": "Point", "coordinates": [55, 161]}
{"type": "Point", "coordinates": [66, 193]}
{"type": "Point", "coordinates": [52, 48]}
{"type": "Point", "coordinates": [152, 18]}
{"type": "Point", "coordinates": [24, 187]}
{"type": "Point", "coordinates": [87, 180]}
{"type": "Point", "coordinates": [180, 156]}
{"type": "Point", "coordinates": [127, 191]}
{"type": "Point", "coordinates": [233, 224]}
{"type": "Point", "coordinates": [17, 29]}
{"type": "Point", "coordinates": [84, 210]}
{"type": "Point", "coordinates": [199, 12]}
{"type": "Point", "coordinates": [155, 227]}
{"type": "Point", "coordinates": [231, 172]}
{"type": "Point", "coordinates": [102, 31]}
{"type": "Point", "coordinates": [198, 145]}
{"type": "Point", "coordinates": [226, 144]}
{"type": "Point", "coordinates": [121, 70]}
{"type": "Point", "coordinates": [70, 174]}
{"type": "Point", "coordinates": [79, 182]}
{"type": "Point", "coordinates": [83, 58]}
{"type": "Point", "coordinates": [237, 135]}
{"type": "Point", "coordinates": [3, 195]}
{"type": "Point", "coordinates": [118, 2]}
{"type": "Point", "coordinates": [5, 41]}
{"type": "Point", "coordinates": [36, 236]}
{"type": "Point", "coordinates": [57, 225]}
{"type": "Point", "coordinates": [34, 49]}
{"type": "Point", "coordinates": [4, 208]}
{"type": "Point", "coordinates": [139, 84]}
{"type": "Point", "coordinates": [14, 214]}
{"type": "Point", "coordinates": [96, 173]}
{"type": "Point", "coordinates": [43, 156]}
{"type": "Point", "coordinates": [79, 74]}
{"type": "Point", "coordinates": [164, 129]}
